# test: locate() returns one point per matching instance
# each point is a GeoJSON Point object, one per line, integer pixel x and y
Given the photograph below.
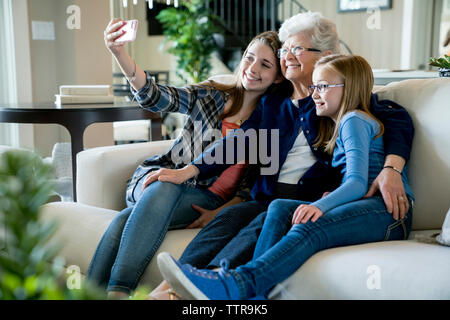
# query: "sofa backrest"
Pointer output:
{"type": "Point", "coordinates": [428, 102]}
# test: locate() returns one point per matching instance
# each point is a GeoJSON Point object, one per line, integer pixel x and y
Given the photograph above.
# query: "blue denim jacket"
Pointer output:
{"type": "Point", "coordinates": [278, 112]}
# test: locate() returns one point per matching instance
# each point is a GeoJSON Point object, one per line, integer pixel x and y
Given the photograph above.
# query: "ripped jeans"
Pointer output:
{"type": "Point", "coordinates": [282, 248]}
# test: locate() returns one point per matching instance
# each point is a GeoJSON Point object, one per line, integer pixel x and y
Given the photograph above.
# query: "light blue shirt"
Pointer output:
{"type": "Point", "coordinates": [361, 158]}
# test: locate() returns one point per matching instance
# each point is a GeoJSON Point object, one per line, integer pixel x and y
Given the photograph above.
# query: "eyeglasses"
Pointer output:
{"type": "Point", "coordinates": [296, 51]}
{"type": "Point", "coordinates": [321, 88]}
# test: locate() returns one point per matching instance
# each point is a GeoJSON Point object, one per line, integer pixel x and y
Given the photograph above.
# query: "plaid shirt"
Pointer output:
{"type": "Point", "coordinates": [202, 105]}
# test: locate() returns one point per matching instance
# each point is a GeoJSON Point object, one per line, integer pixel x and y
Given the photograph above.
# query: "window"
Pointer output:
{"type": "Point", "coordinates": [8, 92]}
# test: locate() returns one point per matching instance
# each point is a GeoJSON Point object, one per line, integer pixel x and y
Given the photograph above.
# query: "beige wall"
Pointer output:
{"type": "Point", "coordinates": [382, 48]}
{"type": "Point", "coordinates": [75, 57]}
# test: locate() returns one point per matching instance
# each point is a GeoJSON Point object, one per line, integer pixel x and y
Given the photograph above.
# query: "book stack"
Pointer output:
{"type": "Point", "coordinates": [84, 94]}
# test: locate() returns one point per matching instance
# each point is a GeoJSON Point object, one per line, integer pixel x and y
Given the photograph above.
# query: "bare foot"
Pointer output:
{"type": "Point", "coordinates": [168, 294]}
{"type": "Point", "coordinates": [117, 295]}
{"type": "Point", "coordinates": [163, 292]}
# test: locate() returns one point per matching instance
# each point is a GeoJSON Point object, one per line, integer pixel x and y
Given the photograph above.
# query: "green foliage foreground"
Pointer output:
{"type": "Point", "coordinates": [29, 265]}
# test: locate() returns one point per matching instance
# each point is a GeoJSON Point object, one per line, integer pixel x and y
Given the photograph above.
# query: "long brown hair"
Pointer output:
{"type": "Point", "coordinates": [358, 84]}
{"type": "Point", "coordinates": [236, 91]}
{"type": "Point", "coordinates": [447, 39]}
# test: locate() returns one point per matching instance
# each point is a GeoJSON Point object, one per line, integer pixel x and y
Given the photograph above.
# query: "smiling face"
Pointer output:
{"type": "Point", "coordinates": [258, 69]}
{"type": "Point", "coordinates": [327, 103]}
{"type": "Point", "coordinates": [299, 68]}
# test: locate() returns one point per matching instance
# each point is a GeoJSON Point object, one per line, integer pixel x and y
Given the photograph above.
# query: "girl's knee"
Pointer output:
{"type": "Point", "coordinates": [160, 192]}
{"type": "Point", "coordinates": [164, 187]}
{"type": "Point", "coordinates": [305, 231]}
{"type": "Point", "coordinates": [117, 224]}
{"type": "Point", "coordinates": [122, 216]}
{"type": "Point", "coordinates": [281, 208]}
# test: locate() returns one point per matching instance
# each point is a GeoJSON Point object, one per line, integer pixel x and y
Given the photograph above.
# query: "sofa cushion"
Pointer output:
{"type": "Point", "coordinates": [103, 172]}
{"type": "Point", "coordinates": [80, 228]}
{"type": "Point", "coordinates": [384, 270]}
{"type": "Point", "coordinates": [427, 101]}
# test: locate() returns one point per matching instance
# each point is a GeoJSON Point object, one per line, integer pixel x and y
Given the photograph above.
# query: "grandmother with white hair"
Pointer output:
{"type": "Point", "coordinates": [305, 172]}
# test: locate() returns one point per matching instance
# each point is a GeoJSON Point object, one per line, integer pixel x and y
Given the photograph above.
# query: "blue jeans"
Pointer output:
{"type": "Point", "coordinates": [282, 248]}
{"type": "Point", "coordinates": [216, 240]}
{"type": "Point", "coordinates": [136, 233]}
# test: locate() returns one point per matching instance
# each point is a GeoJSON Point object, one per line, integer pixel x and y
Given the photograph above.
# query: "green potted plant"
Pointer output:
{"type": "Point", "coordinates": [443, 64]}
{"type": "Point", "coordinates": [190, 29]}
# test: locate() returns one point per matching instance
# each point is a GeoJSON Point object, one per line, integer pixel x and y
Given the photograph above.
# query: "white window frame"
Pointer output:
{"type": "Point", "coordinates": [9, 133]}
{"type": "Point", "coordinates": [420, 34]}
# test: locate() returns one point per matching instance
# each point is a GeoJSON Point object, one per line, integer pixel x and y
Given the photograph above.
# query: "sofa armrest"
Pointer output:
{"type": "Point", "coordinates": [102, 173]}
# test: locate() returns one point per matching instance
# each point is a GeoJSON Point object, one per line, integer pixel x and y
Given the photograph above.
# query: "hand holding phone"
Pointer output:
{"type": "Point", "coordinates": [130, 30]}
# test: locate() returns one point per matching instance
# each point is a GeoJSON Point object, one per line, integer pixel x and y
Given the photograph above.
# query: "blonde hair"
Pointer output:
{"type": "Point", "coordinates": [236, 91]}
{"type": "Point", "coordinates": [358, 83]}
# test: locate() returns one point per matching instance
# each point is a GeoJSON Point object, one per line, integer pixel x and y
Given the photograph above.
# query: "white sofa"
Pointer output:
{"type": "Point", "coordinates": [408, 269]}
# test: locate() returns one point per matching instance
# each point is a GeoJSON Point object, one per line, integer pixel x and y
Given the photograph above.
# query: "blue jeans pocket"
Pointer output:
{"type": "Point", "coordinates": [397, 230]}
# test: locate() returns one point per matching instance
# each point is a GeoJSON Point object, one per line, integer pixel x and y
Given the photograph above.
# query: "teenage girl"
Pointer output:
{"type": "Point", "coordinates": [136, 232]}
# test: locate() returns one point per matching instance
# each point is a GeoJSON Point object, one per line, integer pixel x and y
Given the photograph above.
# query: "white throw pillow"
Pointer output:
{"type": "Point", "coordinates": [444, 237]}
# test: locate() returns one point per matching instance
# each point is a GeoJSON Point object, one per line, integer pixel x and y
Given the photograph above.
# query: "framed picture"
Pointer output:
{"type": "Point", "coordinates": [363, 5]}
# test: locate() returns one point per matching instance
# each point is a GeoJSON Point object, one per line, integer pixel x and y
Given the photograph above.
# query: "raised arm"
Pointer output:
{"type": "Point", "coordinates": [133, 72]}
{"type": "Point", "coordinates": [152, 96]}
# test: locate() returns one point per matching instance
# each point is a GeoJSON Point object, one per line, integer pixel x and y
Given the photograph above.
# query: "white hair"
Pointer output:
{"type": "Point", "coordinates": [321, 31]}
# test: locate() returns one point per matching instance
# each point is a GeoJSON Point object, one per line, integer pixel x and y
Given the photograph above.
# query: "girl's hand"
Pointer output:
{"type": "Point", "coordinates": [113, 32]}
{"type": "Point", "coordinates": [177, 176]}
{"type": "Point", "coordinates": [304, 212]}
{"type": "Point", "coordinates": [205, 217]}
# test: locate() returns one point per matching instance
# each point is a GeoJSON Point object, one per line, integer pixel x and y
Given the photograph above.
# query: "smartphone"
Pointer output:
{"type": "Point", "coordinates": [130, 29]}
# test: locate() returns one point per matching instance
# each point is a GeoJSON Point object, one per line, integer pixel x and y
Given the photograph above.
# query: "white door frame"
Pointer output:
{"type": "Point", "coordinates": [23, 67]}
{"type": "Point", "coordinates": [8, 132]}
